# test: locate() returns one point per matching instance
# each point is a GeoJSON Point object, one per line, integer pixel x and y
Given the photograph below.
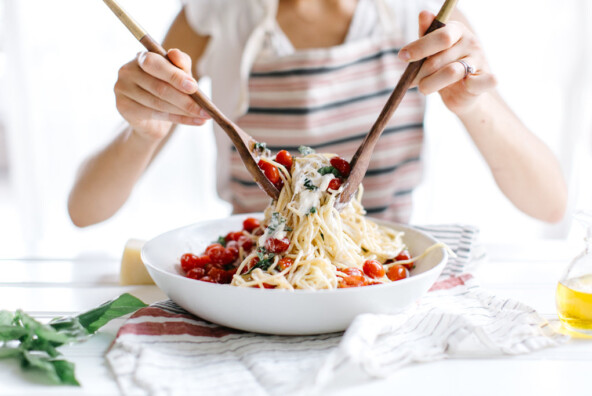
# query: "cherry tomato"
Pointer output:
{"type": "Point", "coordinates": [207, 279]}
{"type": "Point", "coordinates": [259, 232]}
{"type": "Point", "coordinates": [196, 273]}
{"type": "Point", "coordinates": [246, 243]}
{"type": "Point", "coordinates": [284, 158]}
{"type": "Point", "coordinates": [285, 263]}
{"type": "Point", "coordinates": [208, 267]}
{"type": "Point", "coordinates": [250, 224]}
{"type": "Point", "coordinates": [254, 262]}
{"type": "Point", "coordinates": [404, 255]}
{"type": "Point", "coordinates": [274, 245]}
{"type": "Point", "coordinates": [397, 272]}
{"type": "Point", "coordinates": [270, 170]}
{"type": "Point", "coordinates": [248, 267]}
{"type": "Point", "coordinates": [280, 184]}
{"type": "Point", "coordinates": [233, 236]}
{"type": "Point", "coordinates": [354, 278]}
{"type": "Point", "coordinates": [373, 269]}
{"type": "Point", "coordinates": [188, 261]}
{"type": "Point", "coordinates": [341, 165]}
{"type": "Point", "coordinates": [230, 255]}
{"type": "Point", "coordinates": [216, 253]}
{"type": "Point", "coordinates": [220, 276]}
{"type": "Point", "coordinates": [334, 184]}
{"type": "Point", "coordinates": [268, 286]}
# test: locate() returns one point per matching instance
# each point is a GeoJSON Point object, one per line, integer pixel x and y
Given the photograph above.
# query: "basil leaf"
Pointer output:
{"type": "Point", "coordinates": [261, 146]}
{"type": "Point", "coordinates": [6, 318]}
{"type": "Point", "coordinates": [59, 371]}
{"type": "Point", "coordinates": [69, 326]}
{"type": "Point", "coordinates": [261, 149]}
{"type": "Point", "coordinates": [6, 352]}
{"type": "Point", "coordinates": [222, 240]}
{"type": "Point", "coordinates": [329, 169]}
{"type": "Point", "coordinates": [65, 371]}
{"type": "Point", "coordinates": [312, 210]}
{"type": "Point", "coordinates": [39, 344]}
{"type": "Point", "coordinates": [100, 316]}
{"type": "Point", "coordinates": [42, 363]}
{"type": "Point", "coordinates": [305, 150]}
{"type": "Point", "coordinates": [263, 264]}
{"type": "Point", "coordinates": [9, 333]}
{"type": "Point", "coordinates": [46, 332]}
{"type": "Point", "coordinates": [261, 252]}
{"type": "Point", "coordinates": [308, 184]}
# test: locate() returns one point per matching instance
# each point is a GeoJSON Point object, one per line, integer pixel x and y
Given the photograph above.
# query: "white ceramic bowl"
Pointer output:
{"type": "Point", "coordinates": [272, 311]}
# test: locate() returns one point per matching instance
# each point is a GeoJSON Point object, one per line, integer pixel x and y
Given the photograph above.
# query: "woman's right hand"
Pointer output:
{"type": "Point", "coordinates": [152, 94]}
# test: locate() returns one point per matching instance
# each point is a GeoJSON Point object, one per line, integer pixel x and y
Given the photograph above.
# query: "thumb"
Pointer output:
{"type": "Point", "coordinates": [180, 59]}
{"type": "Point", "coordinates": [425, 20]}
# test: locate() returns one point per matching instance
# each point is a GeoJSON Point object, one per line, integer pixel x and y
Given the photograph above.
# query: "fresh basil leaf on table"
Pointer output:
{"type": "Point", "coordinates": [35, 343]}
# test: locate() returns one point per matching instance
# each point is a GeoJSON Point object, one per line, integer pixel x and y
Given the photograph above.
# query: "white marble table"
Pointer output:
{"type": "Point", "coordinates": [527, 272]}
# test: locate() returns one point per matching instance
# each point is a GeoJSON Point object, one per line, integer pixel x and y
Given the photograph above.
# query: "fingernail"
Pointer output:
{"type": "Point", "coordinates": [142, 57]}
{"type": "Point", "coordinates": [189, 85]}
{"type": "Point", "coordinates": [204, 113]}
{"type": "Point", "coordinates": [404, 55]}
{"type": "Point", "coordinates": [198, 121]}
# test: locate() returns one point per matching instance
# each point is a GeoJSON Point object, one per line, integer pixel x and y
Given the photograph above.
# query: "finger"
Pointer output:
{"type": "Point", "coordinates": [477, 84]}
{"type": "Point", "coordinates": [180, 59]}
{"type": "Point", "coordinates": [127, 105]}
{"type": "Point", "coordinates": [149, 100]}
{"type": "Point", "coordinates": [436, 62]}
{"type": "Point", "coordinates": [432, 43]}
{"type": "Point", "coordinates": [448, 75]}
{"type": "Point", "coordinates": [169, 94]}
{"type": "Point", "coordinates": [159, 67]}
{"type": "Point", "coordinates": [425, 20]}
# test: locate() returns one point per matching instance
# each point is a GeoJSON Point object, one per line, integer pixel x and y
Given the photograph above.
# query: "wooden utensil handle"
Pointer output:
{"type": "Point", "coordinates": [366, 149]}
{"type": "Point", "coordinates": [398, 93]}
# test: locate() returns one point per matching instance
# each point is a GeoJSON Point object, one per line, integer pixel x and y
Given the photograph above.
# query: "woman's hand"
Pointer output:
{"type": "Point", "coordinates": [441, 72]}
{"type": "Point", "coordinates": [151, 94]}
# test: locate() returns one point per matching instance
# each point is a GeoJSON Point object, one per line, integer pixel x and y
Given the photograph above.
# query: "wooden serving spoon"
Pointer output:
{"type": "Point", "coordinates": [244, 143]}
{"type": "Point", "coordinates": [361, 159]}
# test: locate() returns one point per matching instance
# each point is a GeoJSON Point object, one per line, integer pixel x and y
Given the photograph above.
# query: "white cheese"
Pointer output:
{"type": "Point", "coordinates": [133, 271]}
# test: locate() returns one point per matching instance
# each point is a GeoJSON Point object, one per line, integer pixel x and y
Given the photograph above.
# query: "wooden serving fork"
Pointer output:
{"type": "Point", "coordinates": [361, 159]}
{"type": "Point", "coordinates": [244, 143]}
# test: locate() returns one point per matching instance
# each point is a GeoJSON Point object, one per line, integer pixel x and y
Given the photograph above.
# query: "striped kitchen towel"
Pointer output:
{"type": "Point", "coordinates": [162, 349]}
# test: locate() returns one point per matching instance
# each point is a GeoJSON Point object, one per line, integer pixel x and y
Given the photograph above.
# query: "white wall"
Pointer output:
{"type": "Point", "coordinates": [64, 57]}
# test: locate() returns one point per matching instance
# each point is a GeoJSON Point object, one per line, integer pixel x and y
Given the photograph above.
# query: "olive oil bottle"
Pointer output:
{"type": "Point", "coordinates": [574, 291]}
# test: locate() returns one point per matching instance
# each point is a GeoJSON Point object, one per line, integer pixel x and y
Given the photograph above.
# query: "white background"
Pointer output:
{"type": "Point", "coordinates": [59, 61]}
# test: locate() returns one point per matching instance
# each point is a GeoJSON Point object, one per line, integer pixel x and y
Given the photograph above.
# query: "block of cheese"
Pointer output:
{"type": "Point", "coordinates": [133, 271]}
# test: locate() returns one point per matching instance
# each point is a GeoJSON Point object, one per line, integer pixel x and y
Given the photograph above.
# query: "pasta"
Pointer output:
{"type": "Point", "coordinates": [303, 241]}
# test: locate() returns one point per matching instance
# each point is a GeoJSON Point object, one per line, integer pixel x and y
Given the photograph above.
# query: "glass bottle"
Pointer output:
{"type": "Point", "coordinates": [574, 290]}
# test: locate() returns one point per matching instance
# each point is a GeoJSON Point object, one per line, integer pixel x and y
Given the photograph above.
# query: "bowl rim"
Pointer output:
{"type": "Point", "coordinates": [435, 268]}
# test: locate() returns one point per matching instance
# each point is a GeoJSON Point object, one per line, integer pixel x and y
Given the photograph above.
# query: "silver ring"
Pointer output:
{"type": "Point", "coordinates": [468, 68]}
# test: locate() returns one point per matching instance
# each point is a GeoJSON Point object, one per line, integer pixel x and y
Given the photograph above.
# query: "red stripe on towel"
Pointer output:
{"type": "Point", "coordinates": [451, 282]}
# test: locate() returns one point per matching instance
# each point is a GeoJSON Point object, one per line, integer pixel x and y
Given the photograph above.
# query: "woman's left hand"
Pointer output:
{"type": "Point", "coordinates": [442, 72]}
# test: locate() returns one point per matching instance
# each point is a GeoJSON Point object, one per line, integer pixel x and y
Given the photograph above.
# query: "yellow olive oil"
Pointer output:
{"type": "Point", "coordinates": [574, 303]}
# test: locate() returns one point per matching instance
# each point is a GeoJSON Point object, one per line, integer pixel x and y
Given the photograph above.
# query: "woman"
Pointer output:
{"type": "Point", "coordinates": [316, 73]}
